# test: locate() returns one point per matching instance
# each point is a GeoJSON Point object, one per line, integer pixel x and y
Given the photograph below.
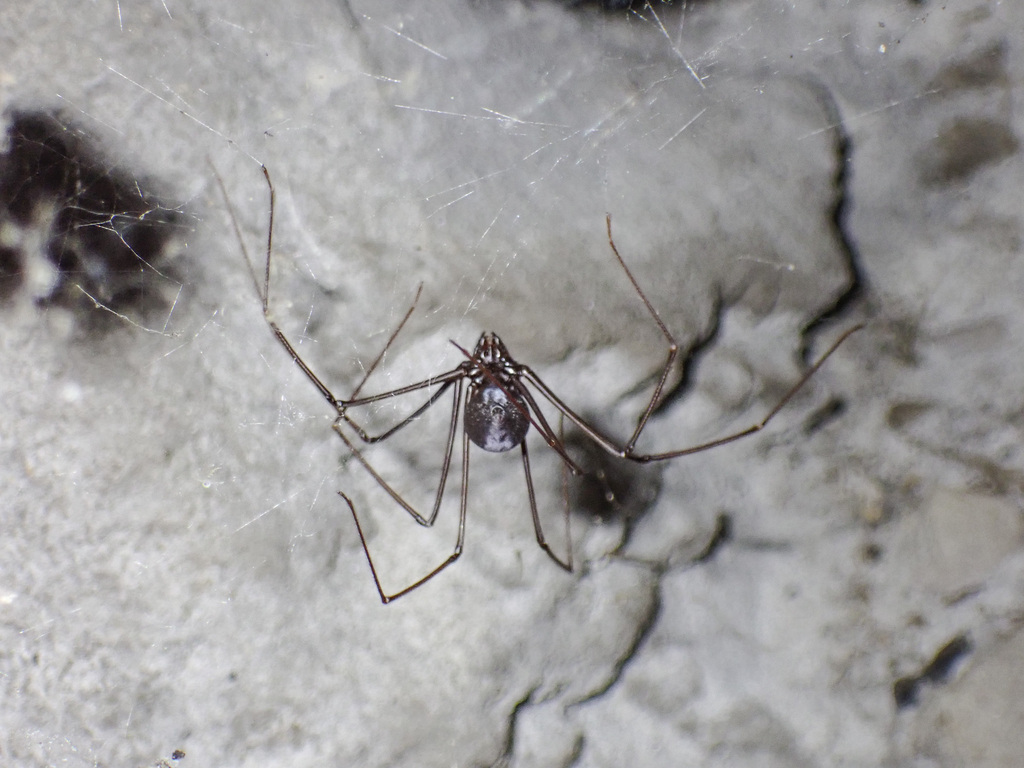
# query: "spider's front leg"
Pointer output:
{"type": "Point", "coordinates": [673, 350]}
{"type": "Point", "coordinates": [342, 406]}
{"type": "Point", "coordinates": [629, 450]}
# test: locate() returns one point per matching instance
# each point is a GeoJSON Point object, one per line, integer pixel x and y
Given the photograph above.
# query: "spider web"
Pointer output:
{"type": "Point", "coordinates": [183, 575]}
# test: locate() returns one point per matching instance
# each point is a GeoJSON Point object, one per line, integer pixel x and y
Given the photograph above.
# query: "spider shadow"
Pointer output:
{"type": "Point", "coordinates": [611, 491]}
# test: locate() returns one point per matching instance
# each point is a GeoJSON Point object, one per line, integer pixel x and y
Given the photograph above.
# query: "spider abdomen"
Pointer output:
{"type": "Point", "coordinates": [494, 421]}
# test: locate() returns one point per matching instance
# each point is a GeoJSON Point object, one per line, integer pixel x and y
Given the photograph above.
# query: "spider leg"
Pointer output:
{"type": "Point", "coordinates": [443, 381]}
{"type": "Point", "coordinates": [673, 346]}
{"type": "Point", "coordinates": [386, 598]}
{"type": "Point", "coordinates": [673, 350]}
{"type": "Point", "coordinates": [441, 378]}
{"type": "Point", "coordinates": [548, 434]}
{"type": "Point", "coordinates": [264, 292]}
{"type": "Point", "coordinates": [362, 539]}
{"type": "Point", "coordinates": [370, 439]}
{"type": "Point", "coordinates": [445, 467]}
{"type": "Point", "coordinates": [759, 425]}
{"type": "Point", "coordinates": [565, 493]}
{"type": "Point", "coordinates": [387, 346]}
{"type": "Point", "coordinates": [265, 297]}
{"type": "Point", "coordinates": [627, 452]}
{"type": "Point", "coordinates": [566, 564]}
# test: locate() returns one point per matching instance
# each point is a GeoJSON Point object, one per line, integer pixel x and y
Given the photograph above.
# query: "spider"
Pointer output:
{"type": "Point", "coordinates": [495, 395]}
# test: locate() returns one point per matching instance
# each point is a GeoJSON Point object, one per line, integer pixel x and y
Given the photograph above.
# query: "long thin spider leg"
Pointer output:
{"type": "Point", "coordinates": [446, 465]}
{"type": "Point", "coordinates": [565, 492]}
{"type": "Point", "coordinates": [264, 293]}
{"type": "Point", "coordinates": [604, 442]}
{"type": "Point", "coordinates": [270, 241]}
{"type": "Point", "coordinates": [673, 346]}
{"type": "Point", "coordinates": [367, 438]}
{"type": "Point", "coordinates": [548, 434]}
{"type": "Point", "coordinates": [624, 453]}
{"type": "Point", "coordinates": [327, 394]}
{"type": "Point", "coordinates": [385, 598]}
{"type": "Point", "coordinates": [387, 346]}
{"type": "Point", "coordinates": [342, 405]}
{"type": "Point", "coordinates": [395, 495]}
{"type": "Point", "coordinates": [761, 424]}
{"type": "Point", "coordinates": [238, 230]}
{"type": "Point", "coordinates": [567, 565]}
{"type": "Point", "coordinates": [460, 540]}
{"type": "Point", "coordinates": [376, 476]}
{"type": "Point", "coordinates": [366, 550]}
{"type": "Point", "coordinates": [445, 381]}
{"type": "Point", "coordinates": [441, 378]}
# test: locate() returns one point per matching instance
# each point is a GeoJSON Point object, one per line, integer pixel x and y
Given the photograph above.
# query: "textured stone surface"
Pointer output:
{"type": "Point", "coordinates": [176, 571]}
